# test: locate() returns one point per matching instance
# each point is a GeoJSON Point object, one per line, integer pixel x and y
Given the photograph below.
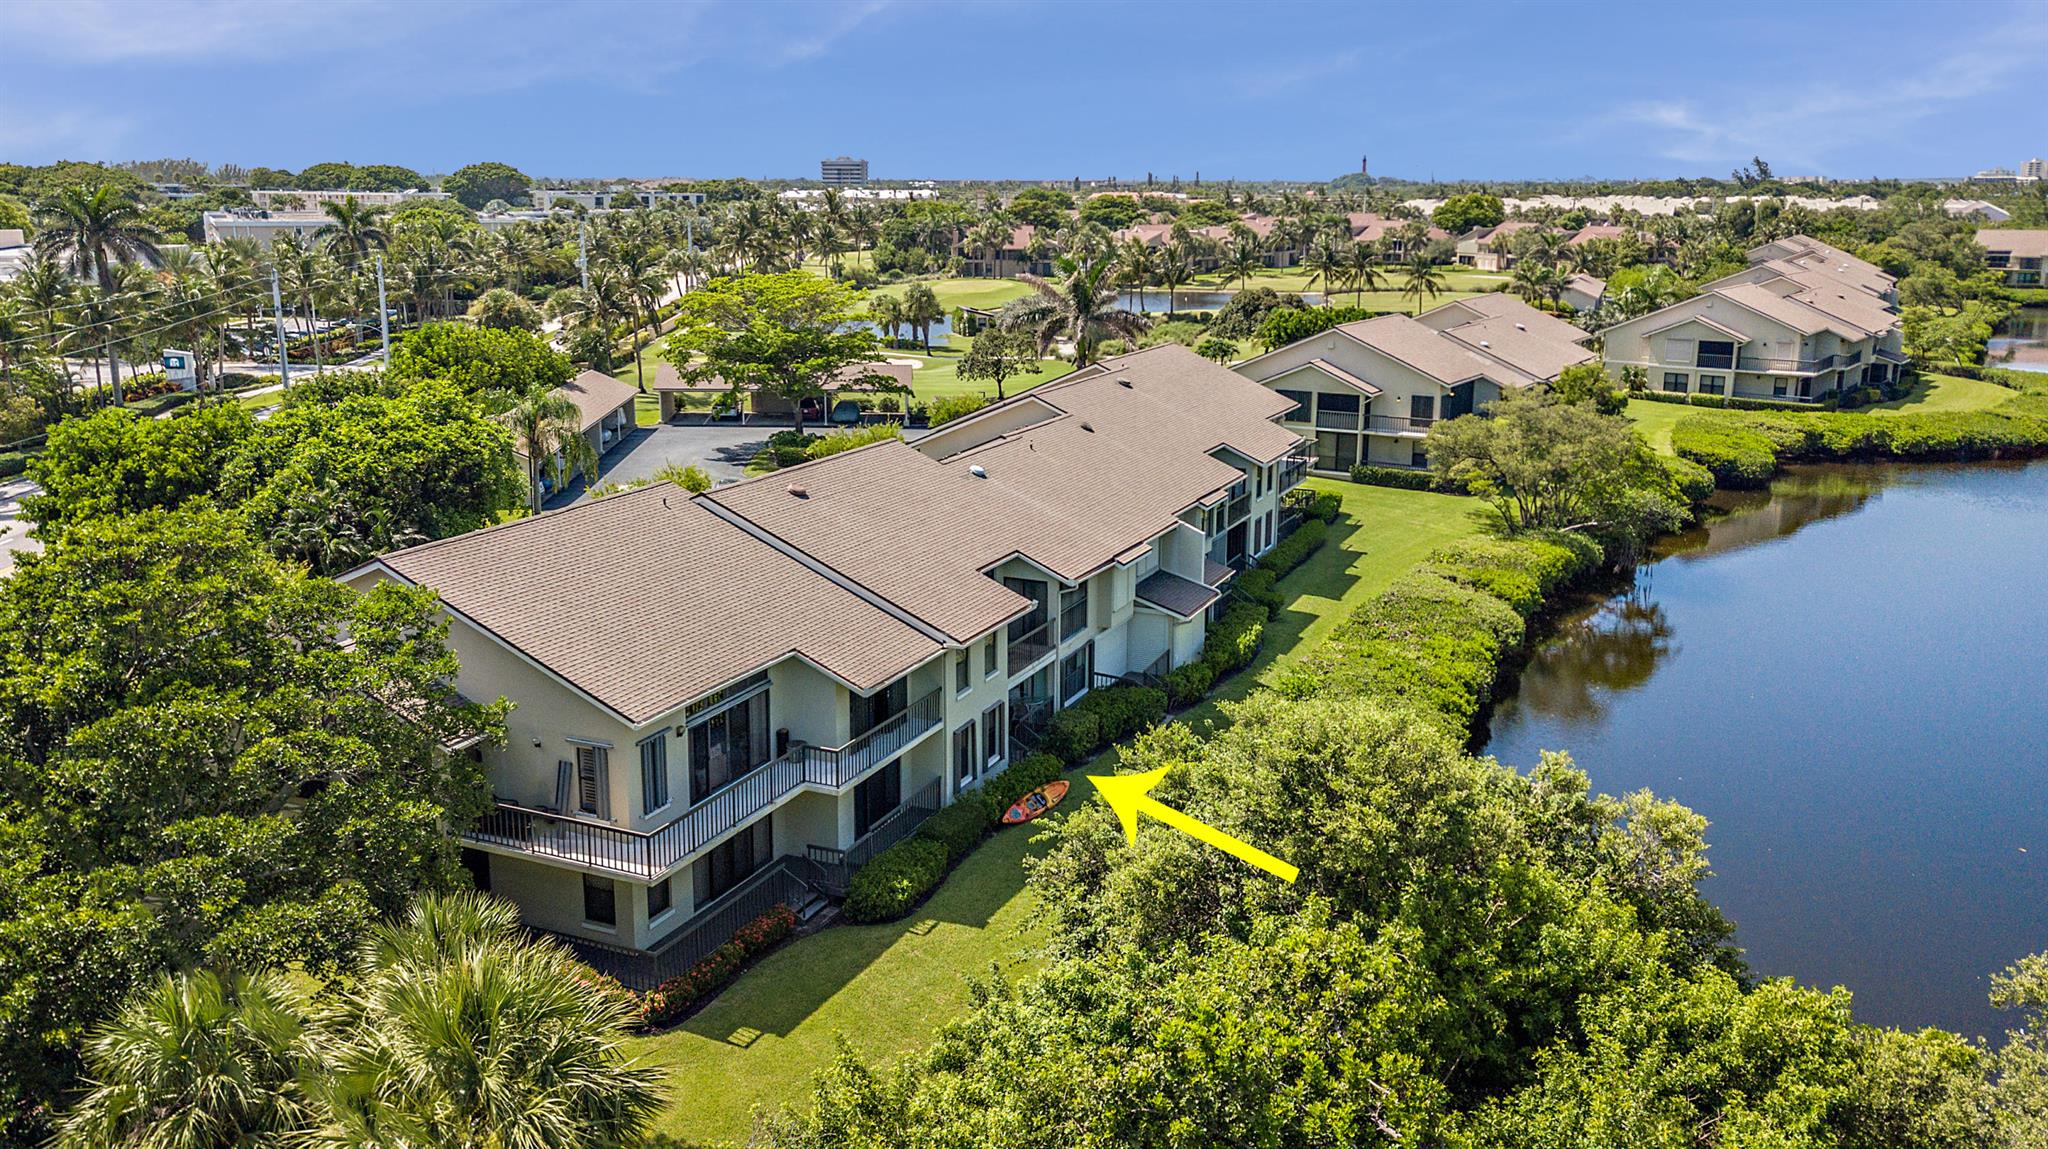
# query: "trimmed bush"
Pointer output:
{"type": "Point", "coordinates": [1186, 685]}
{"type": "Point", "coordinates": [1073, 734]}
{"type": "Point", "coordinates": [1233, 641]}
{"type": "Point", "coordinates": [1022, 777]}
{"type": "Point", "coordinates": [13, 463]}
{"type": "Point", "coordinates": [950, 407]}
{"type": "Point", "coordinates": [1261, 586]}
{"type": "Point", "coordinates": [1294, 550]}
{"type": "Point", "coordinates": [961, 826]}
{"type": "Point", "coordinates": [895, 880]}
{"type": "Point", "coordinates": [1693, 482]}
{"type": "Point", "coordinates": [1393, 477]}
{"type": "Point", "coordinates": [1522, 572]}
{"type": "Point", "coordinates": [1736, 456]}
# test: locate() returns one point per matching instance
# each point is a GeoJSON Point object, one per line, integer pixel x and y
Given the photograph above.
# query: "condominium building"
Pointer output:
{"type": "Point", "coordinates": [1802, 321]}
{"type": "Point", "coordinates": [548, 199]}
{"type": "Point", "coordinates": [843, 170]}
{"type": "Point", "coordinates": [2017, 254]}
{"type": "Point", "coordinates": [1369, 391]}
{"type": "Point", "coordinates": [296, 199]}
{"type": "Point", "coordinates": [262, 226]}
{"type": "Point", "coordinates": [732, 699]}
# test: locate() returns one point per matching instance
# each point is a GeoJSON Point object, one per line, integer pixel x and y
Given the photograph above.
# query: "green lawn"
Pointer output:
{"type": "Point", "coordinates": [1458, 282]}
{"type": "Point", "coordinates": [886, 989]}
{"type": "Point", "coordinates": [1931, 393]}
{"type": "Point", "coordinates": [952, 293]}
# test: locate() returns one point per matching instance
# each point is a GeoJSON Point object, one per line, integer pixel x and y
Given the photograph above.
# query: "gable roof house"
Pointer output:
{"type": "Point", "coordinates": [731, 699]}
{"type": "Point", "coordinates": [605, 416]}
{"type": "Point", "coordinates": [1369, 391]}
{"type": "Point", "coordinates": [2017, 254]}
{"type": "Point", "coordinates": [1804, 320]}
{"type": "Point", "coordinates": [1481, 247]}
{"type": "Point", "coordinates": [1013, 259]}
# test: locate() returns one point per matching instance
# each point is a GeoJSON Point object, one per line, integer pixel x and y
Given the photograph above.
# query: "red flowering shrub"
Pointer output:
{"type": "Point", "coordinates": [671, 999]}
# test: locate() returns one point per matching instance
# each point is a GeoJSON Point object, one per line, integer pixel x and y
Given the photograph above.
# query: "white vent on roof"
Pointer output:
{"type": "Point", "coordinates": [1123, 382]}
{"type": "Point", "coordinates": [799, 490]}
{"type": "Point", "coordinates": [978, 471]}
{"type": "Point", "coordinates": [1521, 327]}
{"type": "Point", "coordinates": [1484, 344]}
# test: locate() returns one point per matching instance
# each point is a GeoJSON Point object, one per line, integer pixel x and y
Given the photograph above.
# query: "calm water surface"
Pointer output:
{"type": "Point", "coordinates": [2021, 341]}
{"type": "Point", "coordinates": [1849, 677]}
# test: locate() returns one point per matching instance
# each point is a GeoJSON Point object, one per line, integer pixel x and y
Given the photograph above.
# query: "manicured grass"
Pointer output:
{"type": "Point", "coordinates": [938, 373]}
{"type": "Point", "coordinates": [1458, 282]}
{"type": "Point", "coordinates": [886, 989]}
{"type": "Point", "coordinates": [963, 292]}
{"type": "Point", "coordinates": [1931, 393]}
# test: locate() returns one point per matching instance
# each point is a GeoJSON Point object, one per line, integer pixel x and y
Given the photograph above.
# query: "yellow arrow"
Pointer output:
{"type": "Point", "coordinates": [1127, 794]}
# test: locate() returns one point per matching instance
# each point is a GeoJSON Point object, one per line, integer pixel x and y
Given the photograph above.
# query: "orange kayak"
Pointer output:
{"type": "Point", "coordinates": [1035, 803]}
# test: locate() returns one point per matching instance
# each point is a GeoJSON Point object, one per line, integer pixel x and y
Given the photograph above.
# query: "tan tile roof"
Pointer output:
{"type": "Point", "coordinates": [1592, 285]}
{"type": "Point", "coordinates": [1814, 255]}
{"type": "Point", "coordinates": [1448, 361]}
{"type": "Point", "coordinates": [1594, 231]}
{"type": "Point", "coordinates": [1509, 340]}
{"type": "Point", "coordinates": [597, 395]}
{"type": "Point", "coordinates": [645, 600]}
{"type": "Point", "coordinates": [1800, 317]}
{"type": "Point", "coordinates": [1501, 305]}
{"type": "Point", "coordinates": [1176, 595]}
{"type": "Point", "coordinates": [2023, 243]}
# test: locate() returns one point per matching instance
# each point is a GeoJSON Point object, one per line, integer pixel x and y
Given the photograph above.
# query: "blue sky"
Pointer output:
{"type": "Point", "coordinates": [1258, 89]}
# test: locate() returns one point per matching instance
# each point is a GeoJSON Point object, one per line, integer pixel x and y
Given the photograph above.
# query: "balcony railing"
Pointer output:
{"type": "Point", "coordinates": [838, 866]}
{"type": "Point", "coordinates": [1400, 424]}
{"type": "Point", "coordinates": [1293, 470]}
{"type": "Point", "coordinates": [1240, 509]}
{"type": "Point", "coordinates": [647, 856]}
{"type": "Point", "coordinates": [1029, 647]}
{"type": "Point", "coordinates": [1711, 361]}
{"type": "Point", "coordinates": [1784, 366]}
{"type": "Point", "coordinates": [788, 880]}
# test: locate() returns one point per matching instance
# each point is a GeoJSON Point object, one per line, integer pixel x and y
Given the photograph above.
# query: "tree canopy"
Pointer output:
{"type": "Point", "coordinates": [1462, 213]}
{"type": "Point", "coordinates": [481, 361]}
{"type": "Point", "coordinates": [478, 184]}
{"type": "Point", "coordinates": [783, 334]}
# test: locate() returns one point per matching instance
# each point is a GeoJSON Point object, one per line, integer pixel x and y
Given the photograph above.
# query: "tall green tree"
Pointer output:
{"type": "Point", "coordinates": [1420, 280]}
{"type": "Point", "coordinates": [547, 432]}
{"type": "Point", "coordinates": [784, 334]}
{"type": "Point", "coordinates": [1078, 304]}
{"type": "Point", "coordinates": [998, 355]}
{"type": "Point", "coordinates": [95, 226]}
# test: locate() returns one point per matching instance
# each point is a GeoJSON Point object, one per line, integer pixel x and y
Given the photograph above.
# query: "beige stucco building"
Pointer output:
{"type": "Point", "coordinates": [1369, 391]}
{"type": "Point", "coordinates": [730, 700]}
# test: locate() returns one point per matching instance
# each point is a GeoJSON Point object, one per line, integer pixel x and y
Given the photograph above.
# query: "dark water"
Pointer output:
{"type": "Point", "coordinates": [1849, 677]}
{"type": "Point", "coordinates": [2021, 341]}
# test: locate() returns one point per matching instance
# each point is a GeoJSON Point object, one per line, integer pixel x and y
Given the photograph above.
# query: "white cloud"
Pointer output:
{"type": "Point", "coordinates": [109, 31]}
{"type": "Point", "coordinates": [821, 36]}
{"type": "Point", "coordinates": [1829, 104]}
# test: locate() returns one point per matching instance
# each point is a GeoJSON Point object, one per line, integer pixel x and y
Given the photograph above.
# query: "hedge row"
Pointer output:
{"type": "Point", "coordinates": [1261, 584]}
{"type": "Point", "coordinates": [1728, 402]}
{"type": "Point", "coordinates": [1436, 639]}
{"type": "Point", "coordinates": [898, 878]}
{"type": "Point", "coordinates": [1102, 717]}
{"type": "Point", "coordinates": [1745, 450]}
{"type": "Point", "coordinates": [1232, 643]}
{"type": "Point", "coordinates": [1404, 479]}
{"type": "Point", "coordinates": [667, 1002]}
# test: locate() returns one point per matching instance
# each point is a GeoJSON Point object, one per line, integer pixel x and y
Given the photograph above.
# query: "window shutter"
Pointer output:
{"type": "Point", "coordinates": [604, 783]}
{"type": "Point", "coordinates": [564, 774]}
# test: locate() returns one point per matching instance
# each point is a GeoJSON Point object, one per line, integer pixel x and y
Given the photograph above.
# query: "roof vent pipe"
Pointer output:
{"type": "Point", "coordinates": [1521, 327]}
{"type": "Point", "coordinates": [1123, 382]}
{"type": "Point", "coordinates": [978, 471]}
{"type": "Point", "coordinates": [1087, 426]}
{"type": "Point", "coordinates": [799, 490]}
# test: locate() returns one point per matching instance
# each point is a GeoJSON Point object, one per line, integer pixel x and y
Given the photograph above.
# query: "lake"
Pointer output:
{"type": "Point", "coordinates": [2021, 341]}
{"type": "Point", "coordinates": [1845, 675]}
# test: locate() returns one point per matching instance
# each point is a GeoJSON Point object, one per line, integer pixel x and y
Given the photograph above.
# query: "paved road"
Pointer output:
{"type": "Point", "coordinates": [13, 528]}
{"type": "Point", "coordinates": [722, 450]}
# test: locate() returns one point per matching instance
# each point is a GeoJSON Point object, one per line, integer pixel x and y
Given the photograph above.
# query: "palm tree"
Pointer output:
{"type": "Point", "coordinates": [1137, 262]}
{"type": "Point", "coordinates": [1420, 279]}
{"type": "Point", "coordinates": [196, 1061]}
{"type": "Point", "coordinates": [547, 431]}
{"type": "Point", "coordinates": [1325, 261]}
{"type": "Point", "coordinates": [1176, 269]}
{"type": "Point", "coordinates": [888, 314]}
{"type": "Point", "coordinates": [94, 228]}
{"type": "Point", "coordinates": [601, 306]}
{"type": "Point", "coordinates": [304, 272]}
{"type": "Point", "coordinates": [1536, 282]}
{"type": "Point", "coordinates": [921, 309]}
{"type": "Point", "coordinates": [1080, 306]}
{"type": "Point", "coordinates": [351, 235]}
{"type": "Point", "coordinates": [1362, 270]}
{"type": "Point", "coordinates": [1243, 258]}
{"type": "Point", "coordinates": [456, 1034]}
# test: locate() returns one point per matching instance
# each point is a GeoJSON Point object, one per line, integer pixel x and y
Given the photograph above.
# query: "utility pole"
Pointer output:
{"type": "Point", "coordinates": [383, 313]}
{"type": "Point", "coordinates": [583, 252]}
{"type": "Point", "coordinates": [284, 363]}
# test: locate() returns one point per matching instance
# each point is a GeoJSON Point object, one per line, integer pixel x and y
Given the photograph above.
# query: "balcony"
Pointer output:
{"type": "Point", "coordinates": [1784, 366]}
{"type": "Point", "coordinates": [1240, 509]}
{"type": "Point", "coordinates": [1400, 425]}
{"type": "Point", "coordinates": [1029, 647]}
{"type": "Point", "coordinates": [836, 867]}
{"type": "Point", "coordinates": [1293, 470]}
{"type": "Point", "coordinates": [646, 857]}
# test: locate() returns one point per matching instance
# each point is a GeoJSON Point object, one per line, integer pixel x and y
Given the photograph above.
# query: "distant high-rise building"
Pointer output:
{"type": "Point", "coordinates": [842, 171]}
{"type": "Point", "coordinates": [2034, 170]}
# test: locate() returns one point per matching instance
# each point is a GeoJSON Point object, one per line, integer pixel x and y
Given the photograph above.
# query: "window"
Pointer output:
{"type": "Point", "coordinates": [864, 714]}
{"type": "Point", "coordinates": [600, 901]}
{"type": "Point", "coordinates": [1716, 353]}
{"type": "Point", "coordinates": [963, 672]}
{"type": "Point", "coordinates": [988, 657]}
{"type": "Point", "coordinates": [874, 798]}
{"type": "Point", "coordinates": [1674, 381]}
{"type": "Point", "coordinates": [1677, 350]}
{"type": "Point", "coordinates": [661, 898]}
{"type": "Point", "coordinates": [1778, 385]}
{"type": "Point", "coordinates": [654, 774]}
{"type": "Point", "coordinates": [995, 733]}
{"type": "Point", "coordinates": [1035, 590]}
{"type": "Point", "coordinates": [1073, 611]}
{"type": "Point", "coordinates": [1421, 408]}
{"type": "Point", "coordinates": [1418, 457]}
{"type": "Point", "coordinates": [963, 754]}
{"type": "Point", "coordinates": [1301, 405]}
{"type": "Point", "coordinates": [1335, 452]}
{"type": "Point", "coordinates": [726, 744]}
{"type": "Point", "coordinates": [582, 786]}
{"type": "Point", "coordinates": [1337, 411]}
{"type": "Point", "coordinates": [1077, 674]}
{"type": "Point", "coordinates": [1712, 384]}
{"type": "Point", "coordinates": [734, 860]}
